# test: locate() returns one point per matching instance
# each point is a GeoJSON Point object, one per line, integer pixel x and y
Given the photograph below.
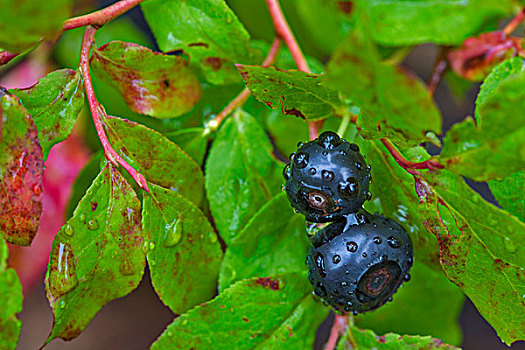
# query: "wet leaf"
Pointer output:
{"type": "Point", "coordinates": [509, 193]}
{"type": "Point", "coordinates": [21, 168]}
{"type": "Point", "coordinates": [482, 249]}
{"type": "Point", "coordinates": [295, 93]}
{"type": "Point", "coordinates": [281, 313]}
{"type": "Point", "coordinates": [428, 304]}
{"type": "Point", "coordinates": [193, 141]}
{"type": "Point", "coordinates": [54, 103]}
{"type": "Point", "coordinates": [97, 256]}
{"type": "Point", "coordinates": [10, 302]}
{"type": "Point", "coordinates": [184, 254]}
{"type": "Point", "coordinates": [205, 30]}
{"type": "Point", "coordinates": [393, 103]}
{"type": "Point", "coordinates": [151, 83]}
{"type": "Point", "coordinates": [356, 338]}
{"type": "Point", "coordinates": [26, 22]}
{"type": "Point", "coordinates": [495, 147]}
{"type": "Point", "coordinates": [274, 241]}
{"type": "Point", "coordinates": [241, 174]}
{"type": "Point", "coordinates": [161, 161]}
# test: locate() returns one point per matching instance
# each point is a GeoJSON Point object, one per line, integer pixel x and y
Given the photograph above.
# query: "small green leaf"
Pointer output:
{"type": "Point", "coordinates": [429, 304]}
{"type": "Point", "coordinates": [264, 312]}
{"type": "Point", "coordinates": [295, 93]}
{"type": "Point", "coordinates": [193, 141]}
{"type": "Point", "coordinates": [21, 170]}
{"type": "Point", "coordinates": [161, 161]}
{"type": "Point", "coordinates": [393, 103]}
{"type": "Point", "coordinates": [495, 147]}
{"type": "Point", "coordinates": [54, 103]}
{"type": "Point", "coordinates": [24, 23]}
{"type": "Point", "coordinates": [241, 175]}
{"type": "Point", "coordinates": [151, 83]}
{"type": "Point", "coordinates": [205, 30]}
{"type": "Point", "coordinates": [355, 338]}
{"type": "Point", "coordinates": [402, 23]}
{"type": "Point", "coordinates": [97, 256]}
{"type": "Point", "coordinates": [509, 193]}
{"type": "Point", "coordinates": [482, 249]}
{"type": "Point", "coordinates": [274, 241]}
{"type": "Point", "coordinates": [10, 302]}
{"type": "Point", "coordinates": [184, 254]}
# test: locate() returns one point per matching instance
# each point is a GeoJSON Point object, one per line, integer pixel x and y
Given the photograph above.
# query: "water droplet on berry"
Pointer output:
{"type": "Point", "coordinates": [351, 247]}
{"type": "Point", "coordinates": [172, 233]}
{"type": "Point", "coordinates": [324, 153]}
{"type": "Point", "coordinates": [354, 147]}
{"type": "Point", "coordinates": [329, 140]}
{"type": "Point", "coordinates": [349, 188]}
{"type": "Point", "coordinates": [319, 262]}
{"type": "Point", "coordinates": [343, 153]}
{"type": "Point", "coordinates": [383, 258]}
{"type": "Point", "coordinates": [312, 171]}
{"type": "Point", "coordinates": [286, 172]}
{"type": "Point", "coordinates": [336, 259]}
{"type": "Point", "coordinates": [406, 278]}
{"type": "Point", "coordinates": [301, 159]}
{"type": "Point", "coordinates": [364, 255]}
{"type": "Point", "coordinates": [359, 165]}
{"type": "Point", "coordinates": [377, 240]}
{"type": "Point", "coordinates": [300, 144]}
{"type": "Point", "coordinates": [291, 155]}
{"type": "Point", "coordinates": [393, 242]}
{"type": "Point", "coordinates": [327, 175]}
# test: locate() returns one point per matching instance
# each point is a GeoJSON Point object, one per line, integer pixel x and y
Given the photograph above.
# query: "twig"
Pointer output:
{"type": "Point", "coordinates": [101, 17]}
{"type": "Point", "coordinates": [99, 114]}
{"type": "Point", "coordinates": [283, 30]}
{"type": "Point", "coordinates": [338, 328]}
{"type": "Point", "coordinates": [440, 66]}
{"type": "Point", "coordinates": [406, 164]}
{"type": "Point", "coordinates": [514, 23]}
{"type": "Point", "coordinates": [240, 99]}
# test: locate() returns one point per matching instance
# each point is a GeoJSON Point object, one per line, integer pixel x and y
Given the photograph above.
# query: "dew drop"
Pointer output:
{"type": "Point", "coordinates": [92, 225]}
{"type": "Point", "coordinates": [173, 233]}
{"type": "Point", "coordinates": [301, 160]}
{"type": "Point", "coordinates": [343, 153]}
{"type": "Point", "coordinates": [354, 147]}
{"type": "Point", "coordinates": [312, 171]}
{"type": "Point", "coordinates": [510, 245]}
{"type": "Point", "coordinates": [300, 144]}
{"type": "Point", "coordinates": [351, 247]}
{"type": "Point", "coordinates": [62, 275]}
{"type": "Point", "coordinates": [62, 304]}
{"type": "Point", "coordinates": [336, 259]}
{"type": "Point", "coordinates": [383, 258]}
{"type": "Point", "coordinates": [349, 188]}
{"type": "Point", "coordinates": [151, 245]}
{"type": "Point", "coordinates": [394, 242]}
{"type": "Point", "coordinates": [319, 262]}
{"type": "Point", "coordinates": [364, 255]}
{"type": "Point", "coordinates": [286, 172]}
{"type": "Point", "coordinates": [327, 175]}
{"type": "Point", "coordinates": [82, 217]}
{"type": "Point", "coordinates": [359, 165]}
{"type": "Point", "coordinates": [377, 240]}
{"type": "Point", "coordinates": [324, 153]}
{"type": "Point", "coordinates": [68, 230]}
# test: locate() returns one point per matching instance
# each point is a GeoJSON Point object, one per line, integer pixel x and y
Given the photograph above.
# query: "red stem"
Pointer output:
{"type": "Point", "coordinates": [440, 66]}
{"type": "Point", "coordinates": [338, 328]}
{"type": "Point", "coordinates": [99, 114]}
{"type": "Point", "coordinates": [283, 30]}
{"type": "Point", "coordinates": [514, 23]}
{"type": "Point", "coordinates": [240, 99]}
{"type": "Point", "coordinates": [101, 17]}
{"type": "Point", "coordinates": [406, 164]}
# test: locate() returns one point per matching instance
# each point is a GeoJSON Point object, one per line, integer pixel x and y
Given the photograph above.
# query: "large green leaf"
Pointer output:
{"type": "Point", "coordinates": [403, 23]}
{"type": "Point", "coordinates": [24, 23]}
{"type": "Point", "coordinates": [495, 147]}
{"type": "Point", "coordinates": [21, 169]}
{"type": "Point", "coordinates": [509, 193]}
{"type": "Point", "coordinates": [429, 304]}
{"type": "Point", "coordinates": [151, 83]}
{"type": "Point", "coordinates": [193, 141]}
{"type": "Point", "coordinates": [97, 256]}
{"type": "Point", "coordinates": [241, 175]}
{"type": "Point", "coordinates": [184, 254]}
{"type": "Point", "coordinates": [295, 93]}
{"type": "Point", "coordinates": [54, 103]}
{"type": "Point", "coordinates": [265, 312]}
{"type": "Point", "coordinates": [482, 250]}
{"type": "Point", "coordinates": [274, 241]}
{"type": "Point", "coordinates": [161, 161]}
{"type": "Point", "coordinates": [10, 302]}
{"type": "Point", "coordinates": [207, 30]}
{"type": "Point", "coordinates": [355, 338]}
{"type": "Point", "coordinates": [393, 103]}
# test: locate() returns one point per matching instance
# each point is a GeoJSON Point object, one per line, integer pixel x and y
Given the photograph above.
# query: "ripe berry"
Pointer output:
{"type": "Point", "coordinates": [327, 178]}
{"type": "Point", "coordinates": [356, 266]}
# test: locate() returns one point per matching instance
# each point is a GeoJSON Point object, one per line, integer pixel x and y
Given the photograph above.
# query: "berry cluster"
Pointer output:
{"type": "Point", "coordinates": [358, 261]}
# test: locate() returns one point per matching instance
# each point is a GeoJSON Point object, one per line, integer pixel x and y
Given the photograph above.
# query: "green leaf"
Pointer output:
{"type": "Point", "coordinates": [151, 83]}
{"type": "Point", "coordinates": [205, 30]}
{"type": "Point", "coordinates": [193, 141]}
{"type": "Point", "coordinates": [274, 241]}
{"type": "Point", "coordinates": [54, 103]}
{"type": "Point", "coordinates": [482, 250]}
{"type": "Point", "coordinates": [161, 161]}
{"type": "Point", "coordinates": [241, 175]}
{"type": "Point", "coordinates": [495, 147]}
{"type": "Point", "coordinates": [355, 338]}
{"type": "Point", "coordinates": [280, 313]}
{"type": "Point", "coordinates": [184, 254]}
{"type": "Point", "coordinates": [429, 304]}
{"type": "Point", "coordinates": [401, 23]}
{"type": "Point", "coordinates": [394, 188]}
{"type": "Point", "coordinates": [295, 93]}
{"type": "Point", "coordinates": [509, 193]}
{"type": "Point", "coordinates": [393, 103]}
{"type": "Point", "coordinates": [21, 169]}
{"type": "Point", "coordinates": [97, 256]}
{"type": "Point", "coordinates": [24, 23]}
{"type": "Point", "coordinates": [10, 302]}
